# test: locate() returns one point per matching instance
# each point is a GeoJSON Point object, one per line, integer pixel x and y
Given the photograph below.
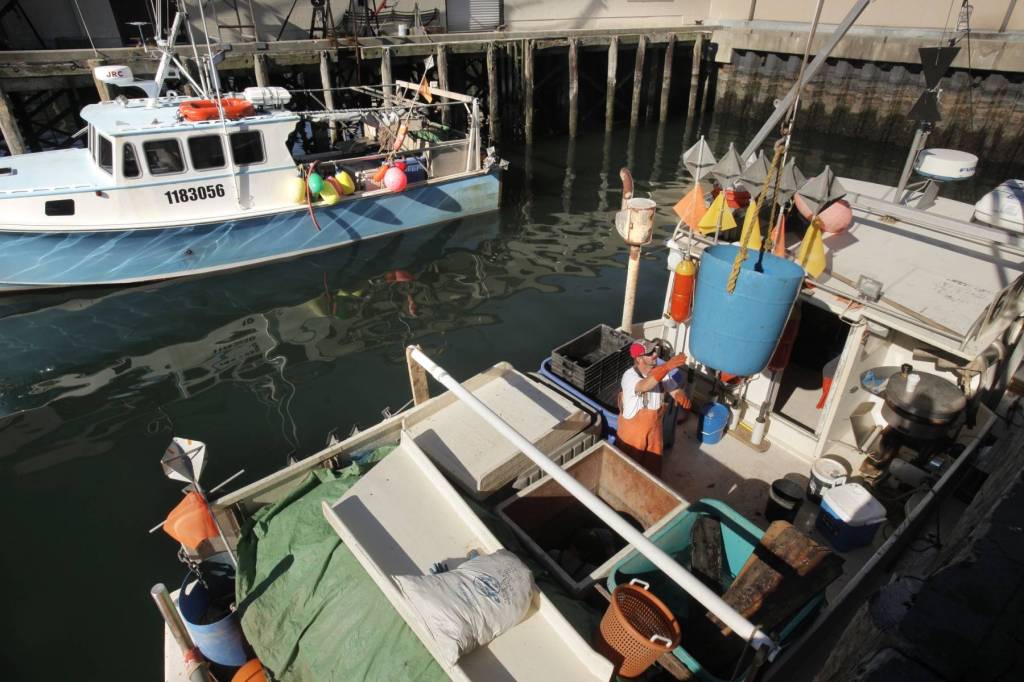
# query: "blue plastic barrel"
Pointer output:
{"type": "Point", "coordinates": [221, 641]}
{"type": "Point", "coordinates": [713, 422]}
{"type": "Point", "coordinates": [738, 332]}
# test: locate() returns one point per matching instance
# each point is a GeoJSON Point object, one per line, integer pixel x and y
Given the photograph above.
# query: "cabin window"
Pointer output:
{"type": "Point", "coordinates": [105, 154]}
{"type": "Point", "coordinates": [247, 148]}
{"type": "Point", "coordinates": [60, 207]}
{"type": "Point", "coordinates": [129, 163]}
{"type": "Point", "coordinates": [206, 152]}
{"type": "Point", "coordinates": [163, 157]}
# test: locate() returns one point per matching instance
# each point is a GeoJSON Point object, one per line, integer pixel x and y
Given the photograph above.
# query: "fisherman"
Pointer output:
{"type": "Point", "coordinates": [643, 404]}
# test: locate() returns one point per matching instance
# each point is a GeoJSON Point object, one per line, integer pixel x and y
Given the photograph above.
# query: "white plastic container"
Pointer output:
{"type": "Point", "coordinates": [849, 516]}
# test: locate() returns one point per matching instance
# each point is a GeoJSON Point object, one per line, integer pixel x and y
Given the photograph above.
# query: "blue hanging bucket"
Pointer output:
{"type": "Point", "coordinates": [221, 641]}
{"type": "Point", "coordinates": [738, 332]}
{"type": "Point", "coordinates": [713, 423]}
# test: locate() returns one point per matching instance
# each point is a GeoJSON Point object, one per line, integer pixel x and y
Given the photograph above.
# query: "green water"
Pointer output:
{"type": "Point", "coordinates": [266, 363]}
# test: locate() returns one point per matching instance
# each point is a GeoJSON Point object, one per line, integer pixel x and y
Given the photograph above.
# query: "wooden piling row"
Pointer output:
{"type": "Point", "coordinates": [694, 103]}
{"type": "Point", "coordinates": [518, 75]}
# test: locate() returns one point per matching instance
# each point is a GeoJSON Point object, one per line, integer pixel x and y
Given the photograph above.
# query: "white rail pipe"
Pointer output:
{"type": "Point", "coordinates": [711, 601]}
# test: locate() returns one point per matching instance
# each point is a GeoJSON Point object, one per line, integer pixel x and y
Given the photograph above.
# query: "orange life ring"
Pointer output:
{"type": "Point", "coordinates": [206, 109]}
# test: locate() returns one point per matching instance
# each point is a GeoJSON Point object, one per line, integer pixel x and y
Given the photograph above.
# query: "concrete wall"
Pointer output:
{"type": "Point", "coordinates": [525, 15]}
{"type": "Point", "coordinates": [988, 14]}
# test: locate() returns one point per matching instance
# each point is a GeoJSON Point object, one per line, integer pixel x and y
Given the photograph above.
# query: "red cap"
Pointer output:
{"type": "Point", "coordinates": [638, 348]}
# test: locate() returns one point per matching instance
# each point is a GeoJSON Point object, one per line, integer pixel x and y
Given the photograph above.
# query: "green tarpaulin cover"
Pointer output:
{"type": "Point", "coordinates": [309, 609]}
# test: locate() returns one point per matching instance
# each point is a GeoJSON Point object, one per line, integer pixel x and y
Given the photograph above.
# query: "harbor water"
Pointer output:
{"type": "Point", "coordinates": [266, 364]}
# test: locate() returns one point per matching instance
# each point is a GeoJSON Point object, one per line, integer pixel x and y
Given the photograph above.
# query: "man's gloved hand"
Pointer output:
{"type": "Point", "coordinates": [683, 401]}
{"type": "Point", "coordinates": [662, 371]}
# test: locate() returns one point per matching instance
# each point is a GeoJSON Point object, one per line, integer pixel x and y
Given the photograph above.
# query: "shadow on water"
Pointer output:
{"type": "Point", "coordinates": [266, 362]}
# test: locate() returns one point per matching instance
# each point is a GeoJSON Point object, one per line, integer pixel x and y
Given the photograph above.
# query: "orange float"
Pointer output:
{"type": "Point", "coordinates": [207, 110]}
{"type": "Point", "coordinates": [191, 522]}
{"type": "Point", "coordinates": [682, 291]}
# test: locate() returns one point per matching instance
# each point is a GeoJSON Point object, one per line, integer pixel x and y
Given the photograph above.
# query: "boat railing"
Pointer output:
{"type": "Point", "coordinates": [657, 556]}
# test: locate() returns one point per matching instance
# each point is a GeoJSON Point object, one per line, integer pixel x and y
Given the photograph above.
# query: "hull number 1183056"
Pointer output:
{"type": "Point", "coordinates": [187, 194]}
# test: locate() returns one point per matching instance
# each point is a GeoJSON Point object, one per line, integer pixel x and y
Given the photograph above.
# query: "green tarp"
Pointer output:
{"type": "Point", "coordinates": [308, 607]}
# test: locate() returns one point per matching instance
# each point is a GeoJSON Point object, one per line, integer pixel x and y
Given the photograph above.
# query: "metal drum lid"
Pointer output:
{"type": "Point", "coordinates": [933, 398]}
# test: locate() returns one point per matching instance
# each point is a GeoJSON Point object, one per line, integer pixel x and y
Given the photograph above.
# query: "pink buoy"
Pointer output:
{"type": "Point", "coordinates": [400, 165]}
{"type": "Point", "coordinates": [834, 219]}
{"type": "Point", "coordinates": [395, 179]}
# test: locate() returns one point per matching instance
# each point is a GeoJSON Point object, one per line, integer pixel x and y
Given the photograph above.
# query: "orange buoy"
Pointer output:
{"type": "Point", "coordinates": [400, 137]}
{"type": "Point", "coordinates": [378, 177]}
{"type": "Point", "coordinates": [191, 522]}
{"type": "Point", "coordinates": [682, 291]}
{"type": "Point", "coordinates": [252, 671]}
{"type": "Point", "coordinates": [206, 109]}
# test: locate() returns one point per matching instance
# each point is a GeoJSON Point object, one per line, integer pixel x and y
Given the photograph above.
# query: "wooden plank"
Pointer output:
{"type": "Point", "coordinates": [785, 571]}
{"type": "Point", "coordinates": [707, 561]}
{"type": "Point", "coordinates": [638, 82]}
{"type": "Point", "coordinates": [612, 82]}
{"type": "Point", "coordinates": [101, 87]}
{"type": "Point", "coordinates": [417, 378]}
{"type": "Point", "coordinates": [669, 663]}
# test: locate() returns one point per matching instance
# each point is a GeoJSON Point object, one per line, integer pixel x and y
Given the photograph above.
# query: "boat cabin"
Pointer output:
{"type": "Point", "coordinates": [168, 161]}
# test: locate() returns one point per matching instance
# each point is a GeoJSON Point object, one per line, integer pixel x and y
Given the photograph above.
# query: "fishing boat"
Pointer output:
{"type": "Point", "coordinates": [172, 186]}
{"type": "Point", "coordinates": [847, 375]}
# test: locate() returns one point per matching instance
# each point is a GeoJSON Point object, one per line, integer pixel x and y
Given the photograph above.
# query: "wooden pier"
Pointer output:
{"type": "Point", "coordinates": [498, 67]}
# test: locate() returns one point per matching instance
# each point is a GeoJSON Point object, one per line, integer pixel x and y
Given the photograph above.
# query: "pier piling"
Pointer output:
{"type": "Point", "coordinates": [528, 91]}
{"type": "Point", "coordinates": [385, 72]}
{"type": "Point", "coordinates": [609, 100]}
{"type": "Point", "coordinates": [259, 66]}
{"type": "Point", "coordinates": [574, 86]}
{"type": "Point", "coordinates": [325, 80]}
{"type": "Point", "coordinates": [693, 106]}
{"type": "Point", "coordinates": [638, 82]}
{"type": "Point", "coordinates": [666, 77]}
{"type": "Point", "coordinates": [9, 126]}
{"type": "Point", "coordinates": [492, 94]}
{"type": "Point", "coordinates": [442, 81]}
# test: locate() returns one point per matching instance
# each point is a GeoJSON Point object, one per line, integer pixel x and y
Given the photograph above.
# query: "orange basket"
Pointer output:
{"type": "Point", "coordinates": [636, 629]}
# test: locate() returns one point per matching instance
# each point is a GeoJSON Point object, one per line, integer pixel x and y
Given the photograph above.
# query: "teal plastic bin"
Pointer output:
{"type": "Point", "coordinates": [740, 537]}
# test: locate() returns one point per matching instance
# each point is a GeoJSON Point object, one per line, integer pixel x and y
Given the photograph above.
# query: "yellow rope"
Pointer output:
{"type": "Point", "coordinates": [741, 255]}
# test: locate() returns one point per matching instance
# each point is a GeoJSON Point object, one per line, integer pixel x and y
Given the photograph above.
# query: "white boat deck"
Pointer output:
{"type": "Point", "coordinates": [401, 518]}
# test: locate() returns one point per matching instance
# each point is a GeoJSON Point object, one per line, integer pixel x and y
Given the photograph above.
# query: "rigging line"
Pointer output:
{"type": "Point", "coordinates": [945, 26]}
{"type": "Point", "coordinates": [88, 34]}
{"type": "Point", "coordinates": [970, 74]}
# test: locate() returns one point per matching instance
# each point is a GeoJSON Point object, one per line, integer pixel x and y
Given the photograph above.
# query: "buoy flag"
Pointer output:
{"type": "Point", "coordinates": [691, 208]}
{"type": "Point", "coordinates": [718, 217]}
{"type": "Point", "coordinates": [811, 256]}
{"type": "Point", "coordinates": [751, 235]}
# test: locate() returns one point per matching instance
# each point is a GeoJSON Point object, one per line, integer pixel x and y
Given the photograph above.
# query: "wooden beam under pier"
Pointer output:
{"type": "Point", "coordinates": [442, 81]}
{"type": "Point", "coordinates": [666, 78]}
{"type": "Point", "coordinates": [528, 91]}
{"type": "Point", "coordinates": [492, 95]}
{"type": "Point", "coordinates": [9, 126]}
{"type": "Point", "coordinates": [261, 70]}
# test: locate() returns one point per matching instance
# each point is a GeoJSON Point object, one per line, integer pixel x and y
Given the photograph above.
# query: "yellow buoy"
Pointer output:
{"type": "Point", "coordinates": [328, 194]}
{"type": "Point", "coordinates": [348, 185]}
{"type": "Point", "coordinates": [295, 190]}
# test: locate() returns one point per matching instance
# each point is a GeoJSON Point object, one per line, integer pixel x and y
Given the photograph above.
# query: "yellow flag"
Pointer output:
{"type": "Point", "coordinates": [811, 256]}
{"type": "Point", "coordinates": [751, 235]}
{"type": "Point", "coordinates": [718, 217]}
{"type": "Point", "coordinates": [424, 90]}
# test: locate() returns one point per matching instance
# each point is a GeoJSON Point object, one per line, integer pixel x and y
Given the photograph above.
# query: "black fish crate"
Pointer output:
{"type": "Point", "coordinates": [593, 361]}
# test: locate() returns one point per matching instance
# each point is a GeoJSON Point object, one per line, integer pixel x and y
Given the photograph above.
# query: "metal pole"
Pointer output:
{"type": "Point", "coordinates": [812, 69]}
{"type": "Point", "coordinates": [920, 135]}
{"type": "Point", "coordinates": [632, 275]}
{"type": "Point", "coordinates": [1006, 19]}
{"type": "Point", "coordinates": [695, 588]}
{"type": "Point", "coordinates": [196, 667]}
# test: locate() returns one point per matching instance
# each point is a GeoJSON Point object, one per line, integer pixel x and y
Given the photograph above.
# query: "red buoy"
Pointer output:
{"type": "Point", "coordinates": [682, 291]}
